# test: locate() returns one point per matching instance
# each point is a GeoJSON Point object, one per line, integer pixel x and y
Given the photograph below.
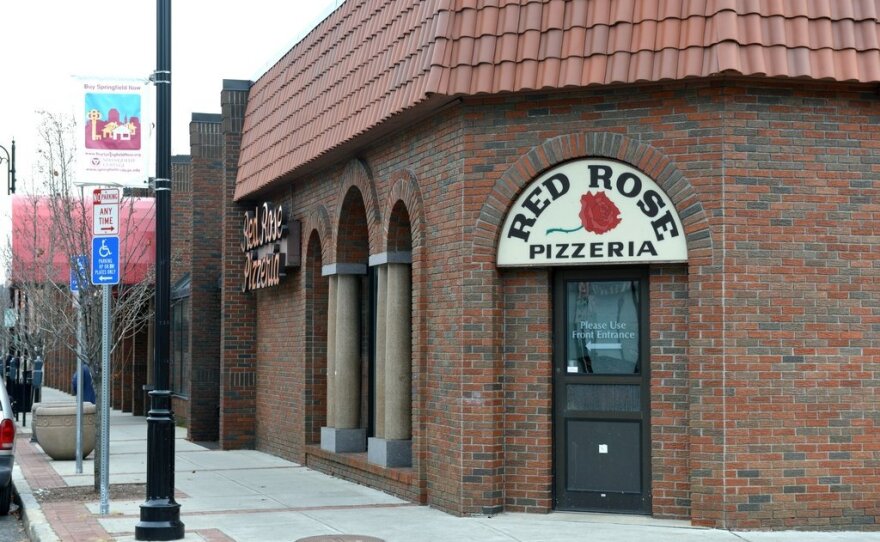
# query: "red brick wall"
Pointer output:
{"type": "Point", "coordinates": [542, 131]}
{"type": "Point", "coordinates": [203, 371]}
{"type": "Point", "coordinates": [528, 390]}
{"type": "Point", "coordinates": [670, 452]}
{"type": "Point", "coordinates": [181, 257]}
{"type": "Point", "coordinates": [802, 343]}
{"type": "Point", "coordinates": [281, 329]}
{"type": "Point", "coordinates": [315, 343]}
{"type": "Point", "coordinates": [181, 217]}
{"type": "Point", "coordinates": [280, 427]}
{"type": "Point", "coordinates": [763, 389]}
{"type": "Point", "coordinates": [527, 385]}
{"type": "Point", "coordinates": [352, 244]}
{"type": "Point", "coordinates": [238, 367]}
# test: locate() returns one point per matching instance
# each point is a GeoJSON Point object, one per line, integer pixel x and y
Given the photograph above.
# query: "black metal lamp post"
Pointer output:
{"type": "Point", "coordinates": [10, 168]}
{"type": "Point", "coordinates": [160, 514]}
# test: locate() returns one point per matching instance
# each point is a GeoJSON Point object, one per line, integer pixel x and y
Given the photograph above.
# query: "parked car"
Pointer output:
{"type": "Point", "coordinates": [7, 450]}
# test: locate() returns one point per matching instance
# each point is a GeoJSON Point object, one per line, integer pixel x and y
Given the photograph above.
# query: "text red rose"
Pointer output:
{"type": "Point", "coordinates": [598, 213]}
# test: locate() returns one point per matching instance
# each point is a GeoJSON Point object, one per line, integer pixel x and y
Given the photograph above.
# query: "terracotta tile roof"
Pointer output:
{"type": "Point", "coordinates": [372, 60]}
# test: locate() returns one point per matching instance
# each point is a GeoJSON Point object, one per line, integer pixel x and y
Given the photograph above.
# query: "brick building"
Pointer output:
{"type": "Point", "coordinates": [548, 255]}
{"type": "Point", "coordinates": [195, 305]}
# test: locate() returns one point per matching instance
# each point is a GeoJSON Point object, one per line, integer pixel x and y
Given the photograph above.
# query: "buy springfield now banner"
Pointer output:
{"type": "Point", "coordinates": [114, 129]}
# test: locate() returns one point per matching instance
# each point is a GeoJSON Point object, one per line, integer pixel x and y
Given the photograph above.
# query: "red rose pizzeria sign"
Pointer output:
{"type": "Point", "coordinates": [591, 212]}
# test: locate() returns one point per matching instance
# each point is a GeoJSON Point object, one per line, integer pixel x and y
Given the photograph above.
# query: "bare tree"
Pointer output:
{"type": "Point", "coordinates": [56, 229]}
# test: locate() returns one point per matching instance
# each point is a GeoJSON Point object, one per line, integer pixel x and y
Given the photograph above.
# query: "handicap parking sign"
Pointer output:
{"type": "Point", "coordinates": [80, 271]}
{"type": "Point", "coordinates": [105, 260]}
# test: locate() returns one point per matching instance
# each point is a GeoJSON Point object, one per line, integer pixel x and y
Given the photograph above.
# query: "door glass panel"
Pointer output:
{"type": "Point", "coordinates": [602, 327]}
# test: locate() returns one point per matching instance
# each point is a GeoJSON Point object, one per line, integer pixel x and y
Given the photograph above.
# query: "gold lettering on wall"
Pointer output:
{"type": "Point", "coordinates": [262, 271]}
{"type": "Point", "coordinates": [263, 231]}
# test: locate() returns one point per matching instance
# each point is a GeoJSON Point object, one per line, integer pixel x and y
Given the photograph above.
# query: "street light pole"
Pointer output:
{"type": "Point", "coordinates": [160, 514]}
{"type": "Point", "coordinates": [10, 168]}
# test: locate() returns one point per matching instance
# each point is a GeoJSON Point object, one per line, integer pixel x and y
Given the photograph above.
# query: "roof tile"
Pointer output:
{"type": "Point", "coordinates": [371, 60]}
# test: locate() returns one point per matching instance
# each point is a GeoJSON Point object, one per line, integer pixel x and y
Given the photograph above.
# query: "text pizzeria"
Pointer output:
{"type": "Point", "coordinates": [577, 251]}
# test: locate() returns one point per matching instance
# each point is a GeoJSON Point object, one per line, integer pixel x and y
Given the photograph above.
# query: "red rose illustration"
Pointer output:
{"type": "Point", "coordinates": [598, 213]}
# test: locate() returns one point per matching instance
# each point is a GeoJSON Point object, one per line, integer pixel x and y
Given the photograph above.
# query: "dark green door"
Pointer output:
{"type": "Point", "coordinates": [601, 395]}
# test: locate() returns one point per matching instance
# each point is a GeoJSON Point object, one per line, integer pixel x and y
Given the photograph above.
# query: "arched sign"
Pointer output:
{"type": "Point", "coordinates": [590, 212]}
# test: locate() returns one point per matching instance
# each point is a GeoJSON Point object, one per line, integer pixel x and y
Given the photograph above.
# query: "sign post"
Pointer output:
{"type": "Point", "coordinates": [105, 273]}
{"type": "Point", "coordinates": [78, 274]}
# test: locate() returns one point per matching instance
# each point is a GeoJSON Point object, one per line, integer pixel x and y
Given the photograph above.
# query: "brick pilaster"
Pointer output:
{"type": "Point", "coordinates": [238, 369]}
{"type": "Point", "coordinates": [181, 262]}
{"type": "Point", "coordinates": [206, 148]}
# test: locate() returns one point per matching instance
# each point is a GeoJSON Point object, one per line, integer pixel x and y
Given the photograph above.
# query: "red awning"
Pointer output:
{"type": "Point", "coordinates": [42, 249]}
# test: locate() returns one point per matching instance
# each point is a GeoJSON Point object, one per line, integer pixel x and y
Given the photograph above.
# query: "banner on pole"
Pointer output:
{"type": "Point", "coordinates": [113, 131]}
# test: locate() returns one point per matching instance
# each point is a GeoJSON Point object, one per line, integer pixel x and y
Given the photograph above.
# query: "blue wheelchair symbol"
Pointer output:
{"type": "Point", "coordinates": [104, 251]}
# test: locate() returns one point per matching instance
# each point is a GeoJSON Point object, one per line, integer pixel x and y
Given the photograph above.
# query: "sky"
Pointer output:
{"type": "Point", "coordinates": [46, 43]}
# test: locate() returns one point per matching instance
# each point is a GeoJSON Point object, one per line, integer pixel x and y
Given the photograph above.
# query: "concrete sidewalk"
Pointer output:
{"type": "Point", "coordinates": [252, 496]}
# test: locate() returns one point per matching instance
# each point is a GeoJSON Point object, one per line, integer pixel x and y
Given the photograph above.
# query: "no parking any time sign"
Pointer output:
{"type": "Point", "coordinates": [106, 212]}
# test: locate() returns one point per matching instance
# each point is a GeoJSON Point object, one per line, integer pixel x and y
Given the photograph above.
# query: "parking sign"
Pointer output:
{"type": "Point", "coordinates": [77, 272]}
{"type": "Point", "coordinates": [105, 260]}
{"type": "Point", "coordinates": [105, 218]}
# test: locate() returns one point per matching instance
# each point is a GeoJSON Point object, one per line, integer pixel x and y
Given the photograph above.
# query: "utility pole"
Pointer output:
{"type": "Point", "coordinates": [160, 514]}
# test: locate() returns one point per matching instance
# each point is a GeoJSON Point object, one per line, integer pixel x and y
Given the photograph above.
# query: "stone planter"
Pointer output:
{"type": "Point", "coordinates": [55, 428]}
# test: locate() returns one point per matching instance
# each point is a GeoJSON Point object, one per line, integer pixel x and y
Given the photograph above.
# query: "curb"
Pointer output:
{"type": "Point", "coordinates": [36, 525]}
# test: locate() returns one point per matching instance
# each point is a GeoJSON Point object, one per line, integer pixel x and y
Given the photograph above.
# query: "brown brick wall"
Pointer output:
{"type": "Point", "coordinates": [280, 422]}
{"type": "Point", "coordinates": [670, 452]}
{"type": "Point", "coordinates": [528, 390]}
{"type": "Point", "coordinates": [181, 216]}
{"type": "Point", "coordinates": [281, 328]}
{"type": "Point", "coordinates": [763, 378]}
{"type": "Point", "coordinates": [206, 148]}
{"type": "Point", "coordinates": [238, 367]}
{"type": "Point", "coordinates": [802, 343]}
{"type": "Point", "coordinates": [314, 342]}
{"type": "Point", "coordinates": [181, 259]}
{"type": "Point", "coordinates": [527, 387]}
{"type": "Point", "coordinates": [539, 132]}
